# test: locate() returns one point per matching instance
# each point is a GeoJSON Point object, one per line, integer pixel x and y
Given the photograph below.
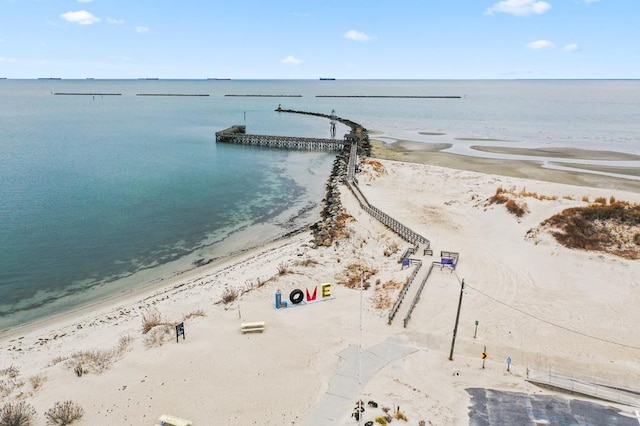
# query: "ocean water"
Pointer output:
{"type": "Point", "coordinates": [100, 194]}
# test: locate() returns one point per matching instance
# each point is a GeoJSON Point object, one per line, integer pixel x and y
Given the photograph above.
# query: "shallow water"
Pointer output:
{"type": "Point", "coordinates": [102, 193]}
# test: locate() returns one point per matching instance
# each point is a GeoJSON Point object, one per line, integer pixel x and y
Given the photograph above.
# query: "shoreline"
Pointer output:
{"type": "Point", "coordinates": [149, 289]}
{"type": "Point", "coordinates": [293, 219]}
{"type": "Point", "coordinates": [287, 370]}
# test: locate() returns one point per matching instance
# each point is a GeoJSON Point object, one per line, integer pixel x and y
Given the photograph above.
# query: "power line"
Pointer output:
{"type": "Point", "coordinates": [549, 322]}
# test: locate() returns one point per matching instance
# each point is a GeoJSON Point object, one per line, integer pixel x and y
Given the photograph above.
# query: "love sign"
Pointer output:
{"type": "Point", "coordinates": [298, 297]}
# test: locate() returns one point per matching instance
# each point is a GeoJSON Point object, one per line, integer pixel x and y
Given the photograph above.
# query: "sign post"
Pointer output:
{"type": "Point", "coordinates": [485, 355]}
{"type": "Point", "coordinates": [476, 330]}
{"type": "Point", "coordinates": [509, 363]}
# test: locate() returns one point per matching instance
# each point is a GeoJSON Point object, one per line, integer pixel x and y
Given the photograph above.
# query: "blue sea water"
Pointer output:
{"type": "Point", "coordinates": [100, 194]}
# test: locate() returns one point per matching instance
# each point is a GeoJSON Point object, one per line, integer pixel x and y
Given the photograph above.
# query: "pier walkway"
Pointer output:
{"type": "Point", "coordinates": [238, 135]}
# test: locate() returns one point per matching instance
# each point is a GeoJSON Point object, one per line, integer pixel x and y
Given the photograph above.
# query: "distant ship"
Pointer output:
{"type": "Point", "coordinates": [327, 78]}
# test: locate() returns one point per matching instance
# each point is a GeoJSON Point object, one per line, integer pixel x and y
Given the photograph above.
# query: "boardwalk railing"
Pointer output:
{"type": "Point", "coordinates": [351, 167]}
{"type": "Point", "coordinates": [237, 135]}
{"type": "Point", "coordinates": [416, 298]}
{"type": "Point", "coordinates": [403, 231]}
{"type": "Point", "coordinates": [403, 292]}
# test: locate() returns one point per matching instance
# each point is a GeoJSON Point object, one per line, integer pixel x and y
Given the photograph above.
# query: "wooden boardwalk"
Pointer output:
{"type": "Point", "coordinates": [238, 135]}
{"type": "Point", "coordinates": [353, 143]}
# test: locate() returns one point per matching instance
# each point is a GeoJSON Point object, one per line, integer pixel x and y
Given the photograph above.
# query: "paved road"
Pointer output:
{"type": "Point", "coordinates": [497, 408]}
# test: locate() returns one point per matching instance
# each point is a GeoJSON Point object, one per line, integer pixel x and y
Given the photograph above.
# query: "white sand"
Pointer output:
{"type": "Point", "coordinates": [545, 306]}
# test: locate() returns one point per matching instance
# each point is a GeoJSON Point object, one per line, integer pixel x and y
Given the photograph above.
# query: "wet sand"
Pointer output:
{"type": "Point", "coordinates": [573, 153]}
{"type": "Point", "coordinates": [425, 153]}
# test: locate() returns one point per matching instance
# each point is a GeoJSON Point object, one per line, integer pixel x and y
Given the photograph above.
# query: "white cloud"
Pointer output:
{"type": "Point", "coordinates": [519, 7]}
{"type": "Point", "coordinates": [540, 45]}
{"type": "Point", "coordinates": [570, 47]}
{"type": "Point", "coordinates": [115, 21]}
{"type": "Point", "coordinates": [356, 36]}
{"type": "Point", "coordinates": [81, 17]}
{"type": "Point", "coordinates": [291, 60]}
{"type": "Point", "coordinates": [142, 29]}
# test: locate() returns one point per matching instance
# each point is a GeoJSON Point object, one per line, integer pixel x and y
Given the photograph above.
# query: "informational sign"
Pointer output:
{"type": "Point", "coordinates": [298, 297]}
{"type": "Point", "coordinates": [180, 331]}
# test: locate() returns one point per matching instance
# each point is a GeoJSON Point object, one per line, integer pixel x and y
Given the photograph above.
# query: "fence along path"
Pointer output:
{"type": "Point", "coordinates": [596, 390]}
{"type": "Point", "coordinates": [416, 295]}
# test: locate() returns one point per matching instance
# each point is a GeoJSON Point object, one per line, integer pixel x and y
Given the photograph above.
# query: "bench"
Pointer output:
{"type": "Point", "coordinates": [168, 420]}
{"type": "Point", "coordinates": [248, 327]}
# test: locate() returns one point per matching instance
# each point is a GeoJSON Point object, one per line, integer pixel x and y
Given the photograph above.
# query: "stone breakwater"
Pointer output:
{"type": "Point", "coordinates": [333, 215]}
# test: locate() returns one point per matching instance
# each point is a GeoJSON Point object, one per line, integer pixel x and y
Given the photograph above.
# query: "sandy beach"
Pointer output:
{"type": "Point", "coordinates": [546, 307]}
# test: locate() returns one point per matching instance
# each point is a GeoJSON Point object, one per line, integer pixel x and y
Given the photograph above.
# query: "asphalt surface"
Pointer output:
{"type": "Point", "coordinates": [497, 408]}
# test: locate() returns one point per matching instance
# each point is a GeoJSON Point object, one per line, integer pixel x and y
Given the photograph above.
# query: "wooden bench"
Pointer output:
{"type": "Point", "coordinates": [248, 327]}
{"type": "Point", "coordinates": [168, 420]}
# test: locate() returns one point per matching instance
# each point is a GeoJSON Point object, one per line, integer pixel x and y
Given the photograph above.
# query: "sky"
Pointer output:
{"type": "Point", "coordinates": [308, 39]}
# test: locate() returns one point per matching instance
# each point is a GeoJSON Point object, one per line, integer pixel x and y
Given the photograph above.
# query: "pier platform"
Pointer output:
{"type": "Point", "coordinates": [237, 135]}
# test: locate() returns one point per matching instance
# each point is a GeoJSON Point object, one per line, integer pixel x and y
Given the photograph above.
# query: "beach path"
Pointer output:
{"type": "Point", "coordinates": [347, 383]}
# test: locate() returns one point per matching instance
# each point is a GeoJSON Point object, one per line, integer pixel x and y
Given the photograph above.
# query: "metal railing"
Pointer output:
{"type": "Point", "coordinates": [597, 390]}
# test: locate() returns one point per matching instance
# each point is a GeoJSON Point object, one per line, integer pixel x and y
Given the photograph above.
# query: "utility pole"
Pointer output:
{"type": "Point", "coordinates": [455, 327]}
{"type": "Point", "coordinates": [360, 356]}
